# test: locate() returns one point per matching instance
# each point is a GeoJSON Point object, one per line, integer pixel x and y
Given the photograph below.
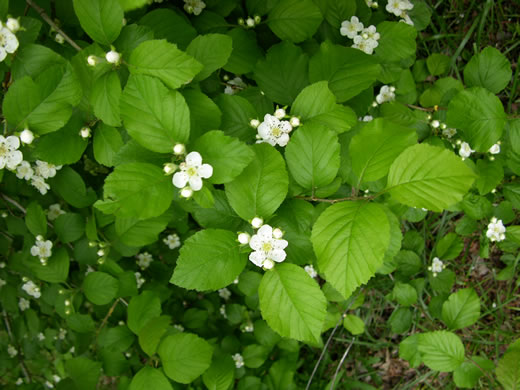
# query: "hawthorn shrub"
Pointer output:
{"type": "Point", "coordinates": [257, 194]}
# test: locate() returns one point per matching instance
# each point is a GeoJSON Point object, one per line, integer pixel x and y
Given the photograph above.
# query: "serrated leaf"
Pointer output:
{"type": "Point", "coordinates": [151, 333]}
{"type": "Point", "coordinates": [185, 356]}
{"type": "Point", "coordinates": [508, 370]}
{"type": "Point", "coordinates": [154, 116]}
{"type": "Point", "coordinates": [170, 25]}
{"type": "Point", "coordinates": [212, 51]}
{"type": "Point", "coordinates": [237, 112]}
{"type": "Point", "coordinates": [245, 52]}
{"type": "Point", "coordinates": [107, 143]}
{"type": "Point", "coordinates": [441, 350]}
{"type": "Point", "coordinates": [105, 95]}
{"type": "Point", "coordinates": [150, 378]}
{"type": "Point", "coordinates": [350, 240]}
{"type": "Point", "coordinates": [209, 260]}
{"type": "Point", "coordinates": [430, 177]}
{"type": "Point", "coordinates": [294, 20]}
{"type": "Point", "coordinates": [221, 373]}
{"type": "Point", "coordinates": [35, 219]}
{"type": "Point", "coordinates": [139, 232]}
{"type": "Point", "coordinates": [100, 288]}
{"type": "Point", "coordinates": [354, 324]}
{"type": "Point", "coordinates": [57, 268]}
{"type": "Point", "coordinates": [261, 187]}
{"type": "Point", "coordinates": [462, 309]}
{"type": "Point", "coordinates": [489, 69]}
{"type": "Point", "coordinates": [142, 309]}
{"type": "Point", "coordinates": [163, 60]}
{"type": "Point", "coordinates": [288, 289]}
{"type": "Point", "coordinates": [102, 20]}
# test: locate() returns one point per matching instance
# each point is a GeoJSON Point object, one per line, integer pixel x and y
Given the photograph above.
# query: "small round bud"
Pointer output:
{"type": "Point", "coordinates": [92, 60]}
{"type": "Point", "coordinates": [494, 191]}
{"type": "Point", "coordinates": [102, 244]}
{"type": "Point", "coordinates": [169, 168]}
{"type": "Point", "coordinates": [392, 89]}
{"type": "Point", "coordinates": [458, 142]}
{"type": "Point", "coordinates": [268, 264]}
{"type": "Point", "coordinates": [241, 21]}
{"type": "Point", "coordinates": [375, 5]}
{"type": "Point", "coordinates": [254, 123]}
{"type": "Point", "coordinates": [374, 104]}
{"type": "Point", "coordinates": [491, 158]}
{"type": "Point", "coordinates": [113, 57]}
{"type": "Point", "coordinates": [43, 261]}
{"type": "Point", "coordinates": [4, 214]}
{"type": "Point", "coordinates": [121, 323]}
{"type": "Point", "coordinates": [443, 126]}
{"type": "Point", "coordinates": [67, 311]}
{"type": "Point", "coordinates": [39, 237]}
{"type": "Point", "coordinates": [258, 19]}
{"type": "Point", "coordinates": [244, 238]}
{"type": "Point", "coordinates": [2, 264]}
{"type": "Point", "coordinates": [101, 252]}
{"type": "Point", "coordinates": [435, 124]}
{"type": "Point", "coordinates": [92, 244]}
{"type": "Point", "coordinates": [25, 279]}
{"type": "Point", "coordinates": [101, 260]}
{"type": "Point", "coordinates": [429, 117]}
{"type": "Point", "coordinates": [295, 122]}
{"type": "Point", "coordinates": [61, 291]}
{"type": "Point", "coordinates": [67, 302]}
{"type": "Point", "coordinates": [59, 38]}
{"type": "Point", "coordinates": [225, 77]}
{"type": "Point", "coordinates": [13, 25]}
{"type": "Point", "coordinates": [277, 233]}
{"type": "Point", "coordinates": [186, 192]}
{"type": "Point", "coordinates": [26, 136]}
{"type": "Point", "coordinates": [250, 22]}
{"type": "Point", "coordinates": [280, 113]}
{"type": "Point", "coordinates": [257, 222]}
{"type": "Point", "coordinates": [179, 149]}
{"type": "Point", "coordinates": [85, 132]}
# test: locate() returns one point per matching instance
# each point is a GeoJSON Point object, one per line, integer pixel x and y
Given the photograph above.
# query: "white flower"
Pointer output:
{"type": "Point", "coordinates": [244, 238]}
{"type": "Point", "coordinates": [42, 249]}
{"type": "Point", "coordinates": [45, 169]}
{"type": "Point", "coordinates": [435, 124]}
{"type": "Point", "coordinates": [294, 121]}
{"type": "Point", "coordinates": [2, 283]}
{"type": "Point", "coordinates": [397, 7]}
{"type": "Point", "coordinates": [274, 131]}
{"type": "Point", "coordinates": [234, 86]}
{"type": "Point", "coordinates": [186, 192]}
{"type": "Point", "coordinates": [350, 29]}
{"type": "Point", "coordinates": [449, 132]}
{"type": "Point", "coordinates": [54, 211]}
{"type": "Point", "coordinates": [92, 60]}
{"type": "Point", "coordinates": [367, 118]}
{"type": "Point", "coordinates": [192, 171]}
{"type": "Point", "coordinates": [85, 132]}
{"type": "Point", "coordinates": [222, 311]}
{"type": "Point", "coordinates": [496, 230]}
{"type": "Point", "coordinates": [437, 266]}
{"type": "Point", "coordinates": [267, 249]}
{"type": "Point", "coordinates": [144, 260]}
{"type": "Point", "coordinates": [113, 57]}
{"type": "Point", "coordinates": [194, 6]}
{"type": "Point", "coordinates": [179, 327]}
{"type": "Point", "coordinates": [49, 385]}
{"type": "Point", "coordinates": [279, 113]}
{"type": "Point", "coordinates": [139, 279]}
{"type": "Point", "coordinates": [24, 171]}
{"type": "Point", "coordinates": [32, 289]}
{"type": "Point", "coordinates": [8, 42]}
{"type": "Point", "coordinates": [248, 328]}
{"type": "Point", "coordinates": [12, 351]}
{"type": "Point", "coordinates": [173, 241]}
{"type": "Point", "coordinates": [72, 350]}
{"type": "Point", "coordinates": [59, 38]}
{"type": "Point", "coordinates": [39, 183]}
{"type": "Point", "coordinates": [406, 19]}
{"type": "Point", "coordinates": [27, 136]}
{"type": "Point", "coordinates": [257, 222]}
{"type": "Point", "coordinates": [179, 149]}
{"type": "Point", "coordinates": [239, 360]}
{"type": "Point", "coordinates": [250, 22]}
{"type": "Point", "coordinates": [495, 149]}
{"type": "Point", "coordinates": [386, 94]}
{"type": "Point", "coordinates": [23, 304]}
{"type": "Point", "coordinates": [62, 333]}
{"type": "Point", "coordinates": [224, 293]}
{"type": "Point", "coordinates": [89, 270]}
{"type": "Point", "coordinates": [254, 123]}
{"type": "Point", "coordinates": [465, 150]}
{"type": "Point", "coordinates": [19, 382]}
{"type": "Point", "coordinates": [56, 378]}
{"type": "Point", "coordinates": [310, 270]}
{"type": "Point", "coordinates": [13, 25]}
{"type": "Point", "coordinates": [10, 157]}
{"type": "Point", "coordinates": [372, 4]}
{"type": "Point", "coordinates": [41, 336]}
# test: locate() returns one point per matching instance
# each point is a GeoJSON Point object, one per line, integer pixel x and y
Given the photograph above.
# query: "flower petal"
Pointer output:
{"type": "Point", "coordinates": [278, 255]}
{"type": "Point", "coordinates": [195, 183]}
{"type": "Point", "coordinates": [265, 232]}
{"type": "Point", "coordinates": [194, 159]}
{"type": "Point", "coordinates": [205, 171]}
{"type": "Point", "coordinates": [12, 142]}
{"type": "Point", "coordinates": [256, 242]}
{"type": "Point", "coordinates": [257, 258]}
{"type": "Point", "coordinates": [180, 179]}
{"type": "Point", "coordinates": [280, 244]}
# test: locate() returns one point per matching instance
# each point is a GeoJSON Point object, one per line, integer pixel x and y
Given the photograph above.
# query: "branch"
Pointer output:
{"type": "Point", "coordinates": [46, 17]}
{"type": "Point", "coordinates": [14, 203]}
{"type": "Point", "coordinates": [105, 320]}
{"type": "Point", "coordinates": [332, 201]}
{"type": "Point", "coordinates": [13, 340]}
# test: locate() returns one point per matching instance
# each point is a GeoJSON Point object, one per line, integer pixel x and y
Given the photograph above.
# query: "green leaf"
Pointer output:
{"type": "Point", "coordinates": [204, 112]}
{"type": "Point", "coordinates": [209, 260]}
{"type": "Point", "coordinates": [100, 288]}
{"type": "Point", "coordinates": [255, 355]}
{"type": "Point", "coordinates": [227, 155]}
{"type": "Point", "coordinates": [70, 186]}
{"type": "Point", "coordinates": [33, 59]}
{"type": "Point", "coordinates": [441, 350]}
{"type": "Point", "coordinates": [105, 95]}
{"type": "Point", "coordinates": [336, 11]}
{"type": "Point", "coordinates": [468, 374]}
{"type": "Point", "coordinates": [152, 332]}
{"type": "Point", "coordinates": [139, 232]}
{"type": "Point", "coordinates": [138, 190]}
{"type": "Point", "coordinates": [237, 112]}
{"type": "Point", "coordinates": [212, 51]}
{"type": "Point", "coordinates": [489, 69]}
{"type": "Point", "coordinates": [154, 116]}
{"type": "Point", "coordinates": [405, 294]}
{"type": "Point", "coordinates": [35, 219]}
{"type": "Point", "coordinates": [438, 64]}
{"type": "Point", "coordinates": [43, 104]}
{"type": "Point", "coordinates": [81, 323]}
{"type": "Point", "coordinates": [185, 356]}
{"type": "Point", "coordinates": [150, 378]}
{"type": "Point", "coordinates": [408, 350]}
{"type": "Point", "coordinates": [221, 215]}
{"type": "Point", "coordinates": [350, 240]}
{"type": "Point", "coordinates": [376, 146]}
{"type": "Point", "coordinates": [313, 156]}
{"type": "Point", "coordinates": [57, 268]}
{"type": "Point", "coordinates": [462, 309]}
{"type": "Point", "coordinates": [261, 187]}
{"type": "Point", "coordinates": [449, 246]}
{"type": "Point", "coordinates": [245, 52]}
{"type": "Point", "coordinates": [397, 42]}
{"type": "Point", "coordinates": [354, 324]}
{"type": "Point", "coordinates": [84, 372]}
{"type": "Point", "coordinates": [142, 309]}
{"type": "Point", "coordinates": [294, 20]}
{"type": "Point", "coordinates": [163, 60]}
{"type": "Point", "coordinates": [479, 115]}
{"type": "Point", "coordinates": [102, 20]}
{"type": "Point", "coordinates": [221, 373]}
{"type": "Point", "coordinates": [107, 142]}
{"type": "Point", "coordinates": [349, 71]}
{"type": "Point", "coordinates": [508, 370]}
{"type": "Point", "coordinates": [129, 5]}
{"type": "Point", "coordinates": [170, 25]}
{"type": "Point", "coordinates": [288, 290]}
{"type": "Point", "coordinates": [490, 175]}
{"type": "Point", "coordinates": [430, 177]}
{"type": "Point", "coordinates": [283, 73]}
{"type": "Point", "coordinates": [69, 227]}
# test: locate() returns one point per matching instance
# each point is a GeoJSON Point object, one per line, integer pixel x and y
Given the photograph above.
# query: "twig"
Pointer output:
{"type": "Point", "coordinates": [20, 359]}
{"type": "Point", "coordinates": [110, 311]}
{"type": "Point", "coordinates": [341, 363]}
{"type": "Point", "coordinates": [46, 17]}
{"type": "Point", "coordinates": [323, 200]}
{"type": "Point", "coordinates": [14, 203]}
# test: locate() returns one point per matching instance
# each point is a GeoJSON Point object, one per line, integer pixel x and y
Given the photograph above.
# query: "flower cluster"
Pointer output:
{"type": "Point", "coordinates": [273, 129]}
{"type": "Point", "coordinates": [399, 8]}
{"type": "Point", "coordinates": [310, 270]}
{"type": "Point", "coordinates": [192, 171]}
{"type": "Point", "coordinates": [233, 86]}
{"type": "Point", "coordinates": [32, 289]}
{"type": "Point", "coordinates": [10, 156]}
{"type": "Point", "coordinates": [139, 279]}
{"type": "Point", "coordinates": [239, 360]}
{"type": "Point", "coordinates": [250, 22]}
{"type": "Point", "coordinates": [465, 150]}
{"type": "Point", "coordinates": [365, 39]}
{"type": "Point", "coordinates": [8, 41]}
{"type": "Point", "coordinates": [37, 174]}
{"type": "Point", "coordinates": [173, 241]}
{"type": "Point", "coordinates": [42, 249]}
{"type": "Point", "coordinates": [144, 260]}
{"type": "Point", "coordinates": [372, 4]}
{"type": "Point", "coordinates": [496, 230]}
{"type": "Point", "coordinates": [386, 94]}
{"type": "Point", "coordinates": [194, 7]}
{"type": "Point", "coordinates": [54, 211]}
{"type": "Point", "coordinates": [436, 267]}
{"type": "Point", "coordinates": [224, 293]}
{"type": "Point", "coordinates": [24, 304]}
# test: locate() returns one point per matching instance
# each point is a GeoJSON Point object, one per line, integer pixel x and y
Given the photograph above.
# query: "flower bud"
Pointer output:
{"type": "Point", "coordinates": [258, 19]}
{"type": "Point", "coordinates": [92, 244]}
{"type": "Point", "coordinates": [61, 291]}
{"type": "Point", "coordinates": [26, 136]}
{"type": "Point", "coordinates": [43, 261]}
{"type": "Point", "coordinates": [169, 168]}
{"type": "Point", "coordinates": [279, 113]}
{"type": "Point", "coordinates": [254, 123]}
{"type": "Point", "coordinates": [241, 21]}
{"type": "Point", "coordinates": [67, 302]}
{"type": "Point", "coordinates": [435, 124]}
{"type": "Point", "coordinates": [186, 192]}
{"type": "Point", "coordinates": [225, 77]}
{"type": "Point", "coordinates": [113, 57]}
{"type": "Point", "coordinates": [101, 261]}
{"type": "Point", "coordinates": [277, 233]}
{"type": "Point", "coordinates": [268, 264]}
{"type": "Point", "coordinates": [101, 252]}
{"type": "Point", "coordinates": [295, 122]}
{"type": "Point", "coordinates": [67, 311]}
{"type": "Point", "coordinates": [179, 149]}
{"type": "Point", "coordinates": [92, 60]}
{"type": "Point", "coordinates": [244, 238]}
{"type": "Point", "coordinates": [59, 38]}
{"type": "Point", "coordinates": [85, 132]}
{"type": "Point", "coordinates": [39, 237]}
{"type": "Point", "coordinates": [13, 25]}
{"type": "Point", "coordinates": [257, 222]}
{"type": "Point", "coordinates": [443, 126]}
{"type": "Point", "coordinates": [250, 22]}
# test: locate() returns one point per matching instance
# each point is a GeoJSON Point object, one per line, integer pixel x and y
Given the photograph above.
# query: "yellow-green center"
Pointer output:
{"type": "Point", "coordinates": [267, 247]}
{"type": "Point", "coordinates": [276, 131]}
{"type": "Point", "coordinates": [3, 150]}
{"type": "Point", "coordinates": [191, 171]}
